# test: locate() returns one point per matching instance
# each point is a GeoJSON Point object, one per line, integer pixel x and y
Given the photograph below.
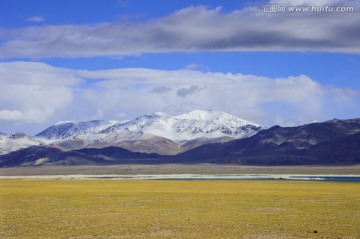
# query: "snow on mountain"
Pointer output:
{"type": "Point", "coordinates": [215, 116]}
{"type": "Point", "coordinates": [188, 126]}
{"type": "Point", "coordinates": [184, 127]}
{"type": "Point", "coordinates": [214, 124]}
{"type": "Point", "coordinates": [14, 142]}
{"type": "Point", "coordinates": [157, 132]}
{"type": "Point", "coordinates": [68, 129]}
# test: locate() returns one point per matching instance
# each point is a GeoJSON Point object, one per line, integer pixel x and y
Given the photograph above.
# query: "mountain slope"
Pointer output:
{"type": "Point", "coordinates": [63, 130]}
{"type": "Point", "coordinates": [44, 155]}
{"type": "Point", "coordinates": [14, 142]}
{"type": "Point", "coordinates": [331, 142]}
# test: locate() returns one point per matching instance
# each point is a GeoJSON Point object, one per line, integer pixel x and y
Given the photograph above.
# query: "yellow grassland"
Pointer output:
{"type": "Point", "coordinates": [178, 209]}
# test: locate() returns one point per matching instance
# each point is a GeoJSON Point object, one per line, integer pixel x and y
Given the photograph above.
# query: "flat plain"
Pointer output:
{"type": "Point", "coordinates": [178, 209]}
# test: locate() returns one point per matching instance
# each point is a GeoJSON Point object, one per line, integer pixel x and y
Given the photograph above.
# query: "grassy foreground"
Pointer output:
{"type": "Point", "coordinates": [178, 209]}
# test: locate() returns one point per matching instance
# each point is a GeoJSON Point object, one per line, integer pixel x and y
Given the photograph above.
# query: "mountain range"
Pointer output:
{"type": "Point", "coordinates": [153, 133]}
{"type": "Point", "coordinates": [193, 137]}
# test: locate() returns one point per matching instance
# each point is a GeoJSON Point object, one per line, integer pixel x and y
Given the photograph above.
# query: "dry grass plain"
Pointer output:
{"type": "Point", "coordinates": [178, 209]}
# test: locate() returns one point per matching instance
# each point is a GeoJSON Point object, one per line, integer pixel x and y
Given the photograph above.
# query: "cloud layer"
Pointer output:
{"type": "Point", "coordinates": [192, 29]}
{"type": "Point", "coordinates": [39, 94]}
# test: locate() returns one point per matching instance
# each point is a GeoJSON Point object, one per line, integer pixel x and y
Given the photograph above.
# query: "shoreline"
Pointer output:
{"type": "Point", "coordinates": [177, 169]}
{"type": "Point", "coordinates": [236, 177]}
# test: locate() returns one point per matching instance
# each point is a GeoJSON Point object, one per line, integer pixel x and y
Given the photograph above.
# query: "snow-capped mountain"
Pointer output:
{"type": "Point", "coordinates": [14, 142]}
{"type": "Point", "coordinates": [188, 126]}
{"type": "Point", "coordinates": [157, 132]}
{"type": "Point", "coordinates": [68, 129]}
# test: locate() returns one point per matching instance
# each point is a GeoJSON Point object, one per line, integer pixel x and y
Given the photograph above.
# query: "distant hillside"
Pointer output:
{"type": "Point", "coordinates": [44, 155]}
{"type": "Point", "coordinates": [14, 142]}
{"type": "Point", "coordinates": [327, 143]}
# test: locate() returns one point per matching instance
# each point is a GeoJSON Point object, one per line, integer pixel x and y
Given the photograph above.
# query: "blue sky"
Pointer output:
{"type": "Point", "coordinates": [81, 60]}
{"type": "Point", "coordinates": [14, 12]}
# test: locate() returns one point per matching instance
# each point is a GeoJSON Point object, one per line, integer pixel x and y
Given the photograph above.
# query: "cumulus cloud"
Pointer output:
{"type": "Point", "coordinates": [37, 93]}
{"type": "Point", "coordinates": [32, 92]}
{"type": "Point", "coordinates": [192, 29]}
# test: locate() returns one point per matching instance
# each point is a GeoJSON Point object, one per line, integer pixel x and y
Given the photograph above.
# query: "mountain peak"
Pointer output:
{"type": "Point", "coordinates": [157, 114]}
{"type": "Point", "coordinates": [64, 122]}
{"type": "Point", "coordinates": [198, 114]}
{"type": "Point", "coordinates": [67, 129]}
{"type": "Point", "coordinates": [160, 113]}
{"type": "Point", "coordinates": [214, 116]}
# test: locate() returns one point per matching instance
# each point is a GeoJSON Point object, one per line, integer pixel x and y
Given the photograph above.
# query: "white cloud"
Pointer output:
{"type": "Point", "coordinates": [293, 99]}
{"type": "Point", "coordinates": [191, 29]}
{"type": "Point", "coordinates": [39, 93]}
{"type": "Point", "coordinates": [10, 115]}
{"type": "Point", "coordinates": [36, 19]}
{"type": "Point", "coordinates": [32, 92]}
